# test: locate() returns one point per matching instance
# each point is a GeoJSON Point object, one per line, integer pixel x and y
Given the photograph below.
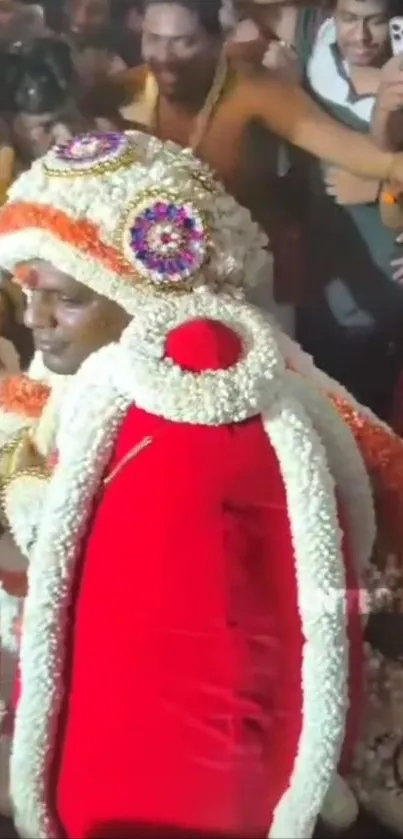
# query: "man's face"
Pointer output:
{"type": "Point", "coordinates": [178, 50]}
{"type": "Point", "coordinates": [88, 16]}
{"type": "Point", "coordinates": [68, 320]}
{"type": "Point", "coordinates": [362, 31]}
{"type": "Point", "coordinates": [34, 134]}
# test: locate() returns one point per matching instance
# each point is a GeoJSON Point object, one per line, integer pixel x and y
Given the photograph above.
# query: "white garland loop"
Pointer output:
{"type": "Point", "coordinates": [347, 467]}
{"type": "Point", "coordinates": [209, 398]}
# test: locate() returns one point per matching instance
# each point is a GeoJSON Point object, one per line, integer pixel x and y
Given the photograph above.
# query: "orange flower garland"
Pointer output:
{"type": "Point", "coordinates": [382, 452]}
{"type": "Point", "coordinates": [22, 396]}
{"type": "Point", "coordinates": [381, 448]}
{"type": "Point", "coordinates": [81, 234]}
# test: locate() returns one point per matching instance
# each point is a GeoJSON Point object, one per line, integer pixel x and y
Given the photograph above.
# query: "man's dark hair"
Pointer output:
{"type": "Point", "coordinates": [36, 77]}
{"type": "Point", "coordinates": [207, 11]}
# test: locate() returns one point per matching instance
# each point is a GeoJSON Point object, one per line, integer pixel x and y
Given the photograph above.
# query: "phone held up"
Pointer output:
{"type": "Point", "coordinates": [396, 35]}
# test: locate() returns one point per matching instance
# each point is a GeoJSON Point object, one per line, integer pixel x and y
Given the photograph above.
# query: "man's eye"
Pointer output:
{"type": "Point", "coordinates": [69, 301]}
{"type": "Point", "coordinates": [188, 43]}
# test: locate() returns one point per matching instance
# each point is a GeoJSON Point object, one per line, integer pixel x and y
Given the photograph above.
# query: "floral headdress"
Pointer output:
{"type": "Point", "coordinates": [138, 216]}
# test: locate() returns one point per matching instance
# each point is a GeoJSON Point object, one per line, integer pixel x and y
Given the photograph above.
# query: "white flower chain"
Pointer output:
{"type": "Point", "coordinates": [320, 573]}
{"type": "Point", "coordinates": [160, 386]}
{"type": "Point", "coordinates": [347, 467]}
{"type": "Point", "coordinates": [64, 517]}
{"type": "Point", "coordinates": [23, 502]}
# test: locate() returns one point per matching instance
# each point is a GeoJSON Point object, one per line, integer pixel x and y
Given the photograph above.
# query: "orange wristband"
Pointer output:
{"type": "Point", "coordinates": [388, 198]}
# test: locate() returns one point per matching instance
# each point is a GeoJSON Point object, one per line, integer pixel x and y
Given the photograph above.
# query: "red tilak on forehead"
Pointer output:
{"type": "Point", "coordinates": [26, 276]}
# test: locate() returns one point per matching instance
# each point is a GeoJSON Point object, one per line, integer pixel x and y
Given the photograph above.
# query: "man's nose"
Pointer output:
{"type": "Point", "coordinates": [164, 51]}
{"type": "Point", "coordinates": [38, 312]}
{"type": "Point", "coordinates": [361, 32]}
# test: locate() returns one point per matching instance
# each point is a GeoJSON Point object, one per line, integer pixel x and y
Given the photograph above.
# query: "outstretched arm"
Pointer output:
{"type": "Point", "coordinates": [289, 112]}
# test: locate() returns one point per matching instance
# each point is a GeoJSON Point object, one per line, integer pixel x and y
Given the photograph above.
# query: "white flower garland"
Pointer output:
{"type": "Point", "coordinates": [347, 467]}
{"type": "Point", "coordinates": [321, 582]}
{"type": "Point", "coordinates": [23, 500]}
{"type": "Point", "coordinates": [83, 458]}
{"type": "Point", "coordinates": [210, 398]}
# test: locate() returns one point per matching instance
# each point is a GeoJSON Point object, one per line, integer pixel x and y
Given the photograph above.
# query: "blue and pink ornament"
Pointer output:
{"type": "Point", "coordinates": [166, 242]}
{"type": "Point", "coordinates": [90, 154]}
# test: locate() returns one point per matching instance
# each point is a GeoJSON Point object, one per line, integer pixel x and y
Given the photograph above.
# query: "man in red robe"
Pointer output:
{"type": "Point", "coordinates": [196, 518]}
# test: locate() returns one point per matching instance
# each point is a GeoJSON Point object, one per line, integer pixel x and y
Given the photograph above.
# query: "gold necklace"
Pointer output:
{"type": "Point", "coordinates": [203, 117]}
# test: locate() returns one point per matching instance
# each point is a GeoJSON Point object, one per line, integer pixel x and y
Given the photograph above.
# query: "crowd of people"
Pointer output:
{"type": "Point", "coordinates": [201, 464]}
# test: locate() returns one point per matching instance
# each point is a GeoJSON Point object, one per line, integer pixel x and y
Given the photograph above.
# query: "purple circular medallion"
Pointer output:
{"type": "Point", "coordinates": [167, 242]}
{"type": "Point", "coordinates": [87, 151]}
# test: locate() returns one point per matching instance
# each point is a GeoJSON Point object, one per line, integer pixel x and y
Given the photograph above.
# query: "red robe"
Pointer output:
{"type": "Point", "coordinates": [185, 642]}
{"type": "Point", "coordinates": [183, 677]}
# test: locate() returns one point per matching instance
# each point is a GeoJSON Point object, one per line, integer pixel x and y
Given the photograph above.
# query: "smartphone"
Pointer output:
{"type": "Point", "coordinates": [396, 35]}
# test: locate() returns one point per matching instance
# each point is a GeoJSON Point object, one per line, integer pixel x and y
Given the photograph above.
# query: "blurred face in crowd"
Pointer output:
{"type": "Point", "coordinates": [134, 20]}
{"type": "Point", "coordinates": [362, 28]}
{"type": "Point", "coordinates": [18, 20]}
{"type": "Point", "coordinates": [9, 9]}
{"type": "Point", "coordinates": [94, 64]}
{"type": "Point", "coordinates": [179, 51]}
{"type": "Point", "coordinates": [34, 134]}
{"type": "Point", "coordinates": [68, 320]}
{"type": "Point", "coordinates": [88, 16]}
